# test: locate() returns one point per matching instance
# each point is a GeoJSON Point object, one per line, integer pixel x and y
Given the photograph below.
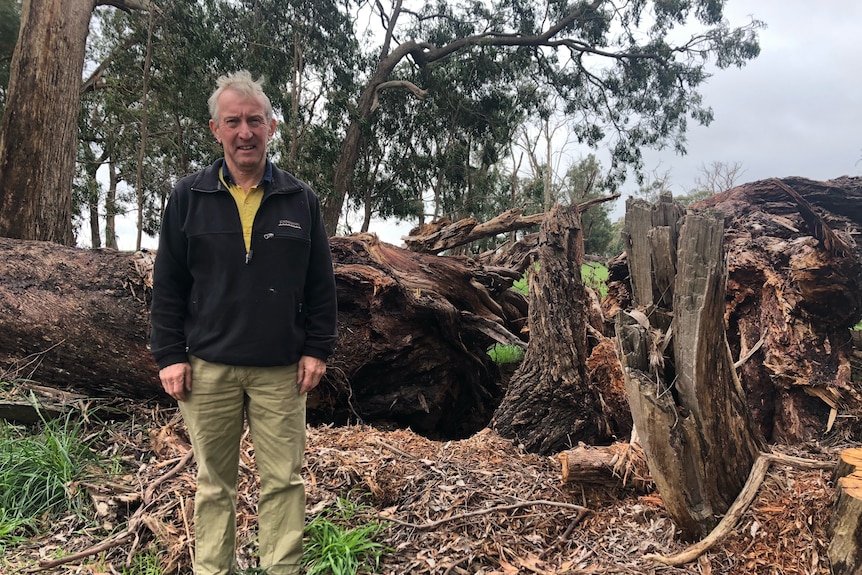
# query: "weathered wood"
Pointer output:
{"type": "Point", "coordinates": [551, 400]}
{"type": "Point", "coordinates": [615, 465]}
{"type": "Point", "coordinates": [444, 235]}
{"type": "Point", "coordinates": [640, 218]}
{"type": "Point", "coordinates": [685, 400]}
{"type": "Point", "coordinates": [800, 292]}
{"type": "Point", "coordinates": [791, 301]}
{"type": "Point", "coordinates": [845, 548]}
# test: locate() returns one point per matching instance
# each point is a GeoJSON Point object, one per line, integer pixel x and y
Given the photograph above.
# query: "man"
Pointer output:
{"type": "Point", "coordinates": [243, 321]}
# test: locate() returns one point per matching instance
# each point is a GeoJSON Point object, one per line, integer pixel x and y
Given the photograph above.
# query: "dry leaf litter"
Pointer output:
{"type": "Point", "coordinates": [478, 506]}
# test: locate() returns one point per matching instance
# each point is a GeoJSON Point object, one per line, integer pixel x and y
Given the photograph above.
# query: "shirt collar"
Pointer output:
{"type": "Point", "coordinates": [264, 181]}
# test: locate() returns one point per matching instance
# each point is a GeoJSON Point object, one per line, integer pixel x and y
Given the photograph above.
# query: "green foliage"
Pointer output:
{"type": "Point", "coordinates": [503, 354]}
{"type": "Point", "coordinates": [333, 547]}
{"type": "Point", "coordinates": [595, 275]}
{"type": "Point", "coordinates": [37, 473]}
{"type": "Point", "coordinates": [484, 70]}
{"type": "Point", "coordinates": [147, 563]}
{"type": "Point", "coordinates": [10, 19]}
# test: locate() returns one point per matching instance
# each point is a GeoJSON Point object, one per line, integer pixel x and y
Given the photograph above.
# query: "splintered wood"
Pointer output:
{"type": "Point", "coordinates": [845, 549]}
{"type": "Point", "coordinates": [687, 404]}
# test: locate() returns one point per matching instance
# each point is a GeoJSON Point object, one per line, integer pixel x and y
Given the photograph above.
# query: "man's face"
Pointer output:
{"type": "Point", "coordinates": [243, 131]}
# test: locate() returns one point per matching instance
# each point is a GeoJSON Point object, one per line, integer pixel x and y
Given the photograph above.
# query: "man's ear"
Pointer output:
{"type": "Point", "coordinates": [214, 130]}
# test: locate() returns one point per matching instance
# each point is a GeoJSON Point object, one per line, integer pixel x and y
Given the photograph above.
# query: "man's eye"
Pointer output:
{"type": "Point", "coordinates": [231, 122]}
{"type": "Point", "coordinates": [255, 122]}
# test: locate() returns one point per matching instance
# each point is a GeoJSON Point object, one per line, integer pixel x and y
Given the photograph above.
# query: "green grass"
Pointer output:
{"type": "Point", "coordinates": [37, 472]}
{"type": "Point", "coordinates": [147, 563]}
{"type": "Point", "coordinates": [335, 547]}
{"type": "Point", "coordinates": [595, 275]}
{"type": "Point", "coordinates": [503, 354]}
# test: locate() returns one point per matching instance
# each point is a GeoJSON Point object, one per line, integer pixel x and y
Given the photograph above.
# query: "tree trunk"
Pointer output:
{"type": "Point", "coordinates": [74, 318]}
{"type": "Point", "coordinates": [38, 136]}
{"type": "Point", "coordinates": [551, 403]}
{"type": "Point", "coordinates": [413, 331]}
{"type": "Point", "coordinates": [686, 401]}
{"type": "Point", "coordinates": [845, 549]}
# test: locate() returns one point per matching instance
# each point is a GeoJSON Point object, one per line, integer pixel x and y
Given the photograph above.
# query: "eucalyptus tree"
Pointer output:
{"type": "Point", "coordinates": [621, 77]}
{"type": "Point", "coordinates": [39, 127]}
{"type": "Point", "coordinates": [148, 93]}
{"type": "Point", "coordinates": [585, 180]}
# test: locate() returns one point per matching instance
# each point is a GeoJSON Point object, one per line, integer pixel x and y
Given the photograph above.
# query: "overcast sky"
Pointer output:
{"type": "Point", "coordinates": [796, 110]}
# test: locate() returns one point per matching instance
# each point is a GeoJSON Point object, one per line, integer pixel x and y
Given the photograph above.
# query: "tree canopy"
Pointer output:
{"type": "Point", "coordinates": [394, 110]}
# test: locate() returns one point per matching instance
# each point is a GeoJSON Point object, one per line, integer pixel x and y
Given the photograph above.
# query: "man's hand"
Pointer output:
{"type": "Point", "coordinates": [308, 373]}
{"type": "Point", "coordinates": [177, 380]}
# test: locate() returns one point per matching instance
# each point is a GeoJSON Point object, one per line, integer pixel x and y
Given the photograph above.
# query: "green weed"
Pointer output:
{"type": "Point", "coordinates": [334, 548]}
{"type": "Point", "coordinates": [37, 474]}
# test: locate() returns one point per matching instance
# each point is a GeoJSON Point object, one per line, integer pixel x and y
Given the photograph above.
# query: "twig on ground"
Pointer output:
{"type": "Point", "coordinates": [131, 531]}
{"type": "Point", "coordinates": [582, 512]}
{"type": "Point", "coordinates": [739, 507]}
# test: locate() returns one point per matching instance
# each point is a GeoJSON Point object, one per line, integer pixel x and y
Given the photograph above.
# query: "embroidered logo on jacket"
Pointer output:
{"type": "Point", "coordinates": [289, 224]}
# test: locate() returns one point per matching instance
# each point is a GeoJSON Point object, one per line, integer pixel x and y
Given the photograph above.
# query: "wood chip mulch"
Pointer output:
{"type": "Point", "coordinates": [478, 506]}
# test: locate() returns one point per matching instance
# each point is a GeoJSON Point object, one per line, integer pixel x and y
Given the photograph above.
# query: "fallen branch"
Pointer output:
{"type": "Point", "coordinates": [582, 512]}
{"type": "Point", "coordinates": [739, 507]}
{"type": "Point", "coordinates": [134, 523]}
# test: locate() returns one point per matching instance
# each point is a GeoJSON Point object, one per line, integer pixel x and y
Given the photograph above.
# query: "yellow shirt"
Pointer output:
{"type": "Point", "coordinates": [247, 204]}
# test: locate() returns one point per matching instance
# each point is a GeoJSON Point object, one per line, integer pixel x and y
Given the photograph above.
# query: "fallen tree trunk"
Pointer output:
{"type": "Point", "coordinates": [845, 548]}
{"type": "Point", "coordinates": [75, 318]}
{"type": "Point", "coordinates": [414, 330]}
{"type": "Point", "coordinates": [686, 402]}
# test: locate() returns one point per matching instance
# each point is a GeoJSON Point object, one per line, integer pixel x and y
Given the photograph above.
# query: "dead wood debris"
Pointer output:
{"type": "Point", "coordinates": [478, 506]}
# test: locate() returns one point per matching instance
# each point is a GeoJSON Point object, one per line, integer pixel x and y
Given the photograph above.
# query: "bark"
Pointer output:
{"type": "Point", "coordinates": [444, 235]}
{"type": "Point", "coordinates": [75, 318]}
{"type": "Point", "coordinates": [845, 548]}
{"type": "Point", "coordinates": [793, 294]}
{"type": "Point", "coordinates": [39, 129]}
{"type": "Point", "coordinates": [551, 402]}
{"type": "Point", "coordinates": [414, 330]}
{"type": "Point", "coordinates": [686, 402]}
{"type": "Point", "coordinates": [38, 135]}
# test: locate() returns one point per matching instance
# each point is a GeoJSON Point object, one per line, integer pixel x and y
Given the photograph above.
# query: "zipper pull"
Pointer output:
{"type": "Point", "coordinates": [248, 257]}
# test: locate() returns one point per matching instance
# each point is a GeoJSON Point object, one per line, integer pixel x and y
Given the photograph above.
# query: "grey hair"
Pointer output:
{"type": "Point", "coordinates": [242, 83]}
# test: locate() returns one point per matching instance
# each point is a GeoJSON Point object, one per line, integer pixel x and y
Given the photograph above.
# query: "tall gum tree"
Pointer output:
{"type": "Point", "coordinates": [610, 62]}
{"type": "Point", "coordinates": [38, 134]}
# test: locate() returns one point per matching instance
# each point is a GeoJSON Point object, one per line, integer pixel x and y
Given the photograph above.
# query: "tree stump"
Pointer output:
{"type": "Point", "coordinates": [551, 401]}
{"type": "Point", "coordinates": [686, 401]}
{"type": "Point", "coordinates": [845, 549]}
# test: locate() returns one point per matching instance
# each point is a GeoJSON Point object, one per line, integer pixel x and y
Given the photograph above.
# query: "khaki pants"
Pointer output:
{"type": "Point", "coordinates": [221, 396]}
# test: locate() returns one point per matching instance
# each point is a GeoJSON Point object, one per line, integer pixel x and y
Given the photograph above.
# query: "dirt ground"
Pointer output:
{"type": "Point", "coordinates": [477, 506]}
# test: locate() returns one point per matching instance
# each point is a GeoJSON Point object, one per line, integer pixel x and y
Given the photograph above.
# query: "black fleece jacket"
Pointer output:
{"type": "Point", "coordinates": [213, 300]}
